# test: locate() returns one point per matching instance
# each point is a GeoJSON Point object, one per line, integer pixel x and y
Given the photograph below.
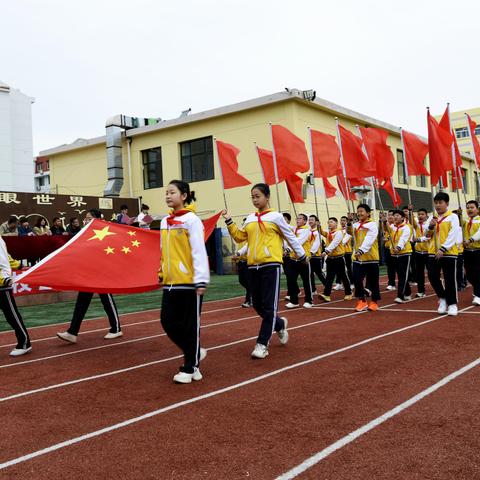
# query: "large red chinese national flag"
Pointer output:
{"type": "Point", "coordinates": [356, 163]}
{"type": "Point", "coordinates": [326, 155]}
{"type": "Point", "coordinates": [227, 156]}
{"type": "Point", "coordinates": [439, 147]}
{"type": "Point", "coordinates": [415, 152]}
{"type": "Point", "coordinates": [476, 146]}
{"type": "Point", "coordinates": [380, 155]}
{"type": "Point", "coordinates": [104, 257]}
{"type": "Point", "coordinates": [290, 152]}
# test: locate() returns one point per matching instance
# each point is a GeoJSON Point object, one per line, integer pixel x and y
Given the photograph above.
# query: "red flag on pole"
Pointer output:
{"type": "Point", "coordinates": [347, 195]}
{"type": "Point", "coordinates": [379, 153]}
{"type": "Point", "coordinates": [389, 188]}
{"type": "Point", "coordinates": [326, 155]}
{"type": "Point", "coordinates": [290, 152]}
{"type": "Point", "coordinates": [99, 256]}
{"type": "Point", "coordinates": [330, 190]}
{"type": "Point", "coordinates": [476, 146]}
{"type": "Point", "coordinates": [439, 147]}
{"type": "Point", "coordinates": [227, 156]}
{"type": "Point", "coordinates": [415, 152]}
{"type": "Point", "coordinates": [266, 162]}
{"type": "Point", "coordinates": [295, 188]}
{"type": "Point", "coordinates": [356, 163]}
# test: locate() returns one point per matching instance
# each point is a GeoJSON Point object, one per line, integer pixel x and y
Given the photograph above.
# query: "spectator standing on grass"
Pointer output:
{"type": "Point", "coordinates": [264, 232]}
{"type": "Point", "coordinates": [83, 302]}
{"type": "Point", "coordinates": [185, 274]}
{"type": "Point", "coordinates": [9, 228]}
{"type": "Point", "coordinates": [8, 305]}
{"type": "Point", "coordinates": [57, 227]}
{"type": "Point", "coordinates": [41, 228]}
{"type": "Point", "coordinates": [24, 229]}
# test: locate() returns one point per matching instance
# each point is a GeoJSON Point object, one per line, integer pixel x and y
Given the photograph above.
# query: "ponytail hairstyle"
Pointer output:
{"type": "Point", "coordinates": [184, 187]}
{"type": "Point", "coordinates": [263, 187]}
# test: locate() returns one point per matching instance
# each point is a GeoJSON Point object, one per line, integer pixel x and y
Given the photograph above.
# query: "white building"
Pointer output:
{"type": "Point", "coordinates": [16, 145]}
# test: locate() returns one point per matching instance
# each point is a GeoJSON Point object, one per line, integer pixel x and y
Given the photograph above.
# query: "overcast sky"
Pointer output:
{"type": "Point", "coordinates": [84, 61]}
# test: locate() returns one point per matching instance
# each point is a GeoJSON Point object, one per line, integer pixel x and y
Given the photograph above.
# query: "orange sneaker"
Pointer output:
{"type": "Point", "coordinates": [373, 306]}
{"type": "Point", "coordinates": [361, 306]}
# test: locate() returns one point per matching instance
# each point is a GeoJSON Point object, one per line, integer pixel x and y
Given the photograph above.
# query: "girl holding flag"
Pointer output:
{"type": "Point", "coordinates": [185, 273]}
{"type": "Point", "coordinates": [264, 232]}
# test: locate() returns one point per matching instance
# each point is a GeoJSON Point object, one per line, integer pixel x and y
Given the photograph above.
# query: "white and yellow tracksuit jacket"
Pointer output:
{"type": "Point", "coordinates": [421, 244]}
{"type": "Point", "coordinates": [471, 233]}
{"type": "Point", "coordinates": [265, 238]}
{"type": "Point", "coordinates": [7, 264]}
{"type": "Point", "coordinates": [334, 246]}
{"type": "Point", "coordinates": [316, 245]}
{"type": "Point", "coordinates": [400, 237]}
{"type": "Point", "coordinates": [444, 235]}
{"type": "Point", "coordinates": [184, 262]}
{"type": "Point", "coordinates": [365, 237]}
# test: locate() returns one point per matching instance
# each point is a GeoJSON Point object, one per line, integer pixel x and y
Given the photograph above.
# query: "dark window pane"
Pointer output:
{"type": "Point", "coordinates": [152, 168]}
{"type": "Point", "coordinates": [197, 160]}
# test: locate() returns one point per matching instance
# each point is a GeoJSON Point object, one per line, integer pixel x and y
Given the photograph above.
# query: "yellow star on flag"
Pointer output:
{"type": "Point", "coordinates": [101, 234]}
{"type": "Point", "coordinates": [109, 250]}
{"type": "Point", "coordinates": [131, 233]}
{"type": "Point", "coordinates": [136, 243]}
{"type": "Point", "coordinates": [125, 250]}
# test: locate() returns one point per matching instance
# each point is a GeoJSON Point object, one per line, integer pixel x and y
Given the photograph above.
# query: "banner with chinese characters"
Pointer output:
{"type": "Point", "coordinates": [50, 205]}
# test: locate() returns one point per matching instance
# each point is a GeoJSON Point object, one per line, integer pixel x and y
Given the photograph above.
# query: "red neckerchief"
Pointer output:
{"type": "Point", "coordinates": [171, 218]}
{"type": "Point", "coordinates": [440, 221]}
{"type": "Point", "coordinates": [420, 224]}
{"type": "Point", "coordinates": [312, 235]}
{"type": "Point", "coordinates": [259, 218]}
{"type": "Point", "coordinates": [469, 226]}
{"type": "Point", "coordinates": [396, 231]}
{"type": "Point", "coordinates": [362, 224]}
{"type": "Point", "coordinates": [330, 235]}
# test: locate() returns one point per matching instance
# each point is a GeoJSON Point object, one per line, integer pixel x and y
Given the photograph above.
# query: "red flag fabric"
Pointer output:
{"type": "Point", "coordinates": [389, 188]}
{"type": "Point", "coordinates": [266, 162]}
{"type": "Point", "coordinates": [105, 257]}
{"type": "Point", "coordinates": [326, 155]}
{"type": "Point", "coordinates": [379, 153]}
{"type": "Point", "coordinates": [439, 147]}
{"type": "Point", "coordinates": [415, 152]}
{"type": "Point", "coordinates": [209, 225]}
{"type": "Point", "coordinates": [356, 163]}
{"type": "Point", "coordinates": [227, 156]}
{"type": "Point", "coordinates": [457, 174]}
{"type": "Point", "coordinates": [476, 145]}
{"type": "Point", "coordinates": [295, 188]}
{"type": "Point", "coordinates": [290, 152]}
{"type": "Point", "coordinates": [342, 186]}
{"type": "Point", "coordinates": [330, 190]}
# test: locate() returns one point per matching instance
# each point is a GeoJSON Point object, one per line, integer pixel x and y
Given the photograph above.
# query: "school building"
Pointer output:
{"type": "Point", "coordinates": [138, 157]}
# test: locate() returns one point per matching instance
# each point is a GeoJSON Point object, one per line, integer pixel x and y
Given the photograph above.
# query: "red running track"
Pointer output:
{"type": "Point", "coordinates": [256, 419]}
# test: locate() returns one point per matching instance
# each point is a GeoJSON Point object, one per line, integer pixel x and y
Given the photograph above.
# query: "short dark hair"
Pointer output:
{"type": "Point", "coordinates": [12, 220]}
{"type": "Point", "coordinates": [343, 217]}
{"type": "Point", "coordinates": [441, 197]}
{"type": "Point", "coordinates": [474, 202]}
{"type": "Point", "coordinates": [365, 207]}
{"type": "Point", "coordinates": [422, 210]}
{"type": "Point", "coordinates": [391, 211]}
{"type": "Point", "coordinates": [399, 212]}
{"type": "Point", "coordinates": [23, 219]}
{"type": "Point", "coordinates": [335, 219]}
{"type": "Point", "coordinates": [303, 216]}
{"type": "Point", "coordinates": [95, 213]}
{"type": "Point", "coordinates": [73, 219]}
{"type": "Point", "coordinates": [287, 216]}
{"type": "Point", "coordinates": [123, 207]}
{"type": "Point", "coordinates": [184, 187]}
{"type": "Point", "coordinates": [263, 187]}
{"type": "Point", "coordinates": [313, 216]}
{"type": "Point", "coordinates": [405, 207]}
{"type": "Point", "coordinates": [55, 219]}
{"type": "Point", "coordinates": [145, 206]}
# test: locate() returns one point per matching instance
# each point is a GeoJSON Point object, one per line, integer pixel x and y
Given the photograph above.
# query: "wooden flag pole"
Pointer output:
{"type": "Point", "coordinates": [364, 149]}
{"type": "Point", "coordinates": [454, 155]}
{"type": "Point", "coordinates": [405, 163]}
{"type": "Point", "coordinates": [347, 183]}
{"type": "Point", "coordinates": [475, 159]}
{"type": "Point", "coordinates": [275, 167]}
{"type": "Point", "coordinates": [312, 166]}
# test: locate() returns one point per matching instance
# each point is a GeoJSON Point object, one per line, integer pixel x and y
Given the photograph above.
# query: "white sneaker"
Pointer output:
{"type": "Point", "coordinates": [203, 354]}
{"type": "Point", "coordinates": [283, 334]}
{"type": "Point", "coordinates": [476, 301]}
{"type": "Point", "coordinates": [442, 306]}
{"type": "Point", "coordinates": [182, 377]}
{"type": "Point", "coordinates": [452, 310]}
{"type": "Point", "coordinates": [292, 305]}
{"type": "Point", "coordinates": [399, 300]}
{"type": "Point", "coordinates": [420, 295]}
{"type": "Point", "coordinates": [16, 352]}
{"type": "Point", "coordinates": [111, 335]}
{"type": "Point", "coordinates": [390, 287]}
{"type": "Point", "coordinates": [337, 286]}
{"type": "Point", "coordinates": [260, 351]}
{"type": "Point", "coordinates": [68, 337]}
{"type": "Point", "coordinates": [307, 305]}
{"type": "Point", "coordinates": [413, 283]}
{"type": "Point", "coordinates": [407, 298]}
{"type": "Point", "coordinates": [352, 287]}
{"type": "Point", "coordinates": [287, 298]}
{"type": "Point", "coordinates": [246, 305]}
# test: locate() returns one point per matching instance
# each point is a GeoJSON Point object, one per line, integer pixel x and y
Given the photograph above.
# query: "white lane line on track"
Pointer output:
{"type": "Point", "coordinates": [174, 406]}
{"type": "Point", "coordinates": [110, 345]}
{"type": "Point", "coordinates": [352, 436]}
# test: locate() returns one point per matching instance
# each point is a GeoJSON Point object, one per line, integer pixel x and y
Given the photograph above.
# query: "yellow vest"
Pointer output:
{"type": "Point", "coordinates": [395, 235]}
{"type": "Point", "coordinates": [421, 230]}
{"type": "Point", "coordinates": [348, 246]}
{"type": "Point", "coordinates": [339, 250]}
{"type": "Point", "coordinates": [359, 233]}
{"type": "Point", "coordinates": [440, 235]}
{"type": "Point", "coordinates": [306, 245]}
{"type": "Point", "coordinates": [470, 228]}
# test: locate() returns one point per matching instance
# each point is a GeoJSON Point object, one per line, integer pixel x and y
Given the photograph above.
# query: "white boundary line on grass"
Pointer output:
{"type": "Point", "coordinates": [174, 406]}
{"type": "Point", "coordinates": [100, 347]}
{"type": "Point", "coordinates": [352, 436]}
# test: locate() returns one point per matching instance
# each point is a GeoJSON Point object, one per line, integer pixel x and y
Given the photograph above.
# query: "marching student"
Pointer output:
{"type": "Point", "coordinates": [365, 258]}
{"type": "Point", "coordinates": [421, 250]}
{"type": "Point", "coordinates": [8, 305]}
{"type": "Point", "coordinates": [185, 273]}
{"type": "Point", "coordinates": [347, 242]}
{"type": "Point", "coordinates": [83, 302]}
{"type": "Point", "coordinates": [335, 259]}
{"type": "Point", "coordinates": [264, 232]}
{"type": "Point", "coordinates": [387, 245]}
{"type": "Point", "coordinates": [299, 267]}
{"type": "Point", "coordinates": [316, 259]}
{"type": "Point", "coordinates": [400, 234]}
{"type": "Point", "coordinates": [287, 261]}
{"type": "Point", "coordinates": [442, 254]}
{"type": "Point", "coordinates": [471, 252]}
{"type": "Point", "coordinates": [461, 279]}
